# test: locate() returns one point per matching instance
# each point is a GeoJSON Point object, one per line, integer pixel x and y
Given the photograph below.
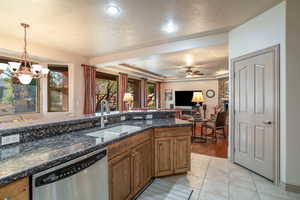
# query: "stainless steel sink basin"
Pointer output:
{"type": "Point", "coordinates": [124, 129]}
{"type": "Point", "coordinates": [111, 133]}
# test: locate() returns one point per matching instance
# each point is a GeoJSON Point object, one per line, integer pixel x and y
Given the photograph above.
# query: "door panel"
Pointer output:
{"type": "Point", "coordinates": [259, 151]}
{"type": "Point", "coordinates": [142, 165]}
{"type": "Point", "coordinates": [182, 154]}
{"type": "Point", "coordinates": [120, 177]}
{"type": "Point", "coordinates": [164, 156]}
{"type": "Point", "coordinates": [254, 105]}
{"type": "Point", "coordinates": [259, 93]}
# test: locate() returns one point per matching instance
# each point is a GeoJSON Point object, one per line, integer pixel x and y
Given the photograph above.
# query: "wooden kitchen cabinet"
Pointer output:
{"type": "Point", "coordinates": [164, 156]}
{"type": "Point", "coordinates": [142, 165]}
{"type": "Point", "coordinates": [18, 190]}
{"type": "Point", "coordinates": [172, 150]}
{"type": "Point", "coordinates": [182, 154]}
{"type": "Point", "coordinates": [120, 177]}
{"type": "Point", "coordinates": [130, 171]}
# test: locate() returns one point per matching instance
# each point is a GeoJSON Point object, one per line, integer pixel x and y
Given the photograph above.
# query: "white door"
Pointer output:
{"type": "Point", "coordinates": [254, 90]}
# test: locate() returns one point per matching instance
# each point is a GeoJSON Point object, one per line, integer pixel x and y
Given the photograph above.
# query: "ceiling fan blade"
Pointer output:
{"type": "Point", "coordinates": [198, 73]}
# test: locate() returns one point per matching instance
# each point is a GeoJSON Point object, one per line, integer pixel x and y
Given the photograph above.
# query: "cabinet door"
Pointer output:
{"type": "Point", "coordinates": [18, 190]}
{"type": "Point", "coordinates": [120, 177]}
{"type": "Point", "coordinates": [182, 154]}
{"type": "Point", "coordinates": [163, 156]}
{"type": "Point", "coordinates": [142, 165]}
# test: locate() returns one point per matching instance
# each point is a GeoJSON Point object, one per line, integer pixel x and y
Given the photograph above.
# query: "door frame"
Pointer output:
{"type": "Point", "coordinates": [276, 51]}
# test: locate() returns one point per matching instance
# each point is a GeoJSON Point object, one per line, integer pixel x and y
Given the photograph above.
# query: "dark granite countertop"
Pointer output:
{"type": "Point", "coordinates": [29, 158]}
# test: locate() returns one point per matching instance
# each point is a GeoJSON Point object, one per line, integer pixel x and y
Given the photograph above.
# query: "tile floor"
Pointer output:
{"type": "Point", "coordinates": [218, 179]}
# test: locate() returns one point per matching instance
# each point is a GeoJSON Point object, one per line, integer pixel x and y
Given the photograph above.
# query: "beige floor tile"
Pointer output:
{"type": "Point", "coordinates": [268, 188]}
{"type": "Point", "coordinates": [199, 172]}
{"type": "Point", "coordinates": [239, 193]}
{"type": "Point", "coordinates": [185, 179]}
{"type": "Point", "coordinates": [217, 175]}
{"type": "Point", "coordinates": [222, 164]}
{"type": "Point", "coordinates": [242, 182]}
{"type": "Point", "coordinates": [215, 187]}
{"type": "Point", "coordinates": [270, 197]}
{"type": "Point", "coordinates": [195, 195]}
{"type": "Point", "coordinates": [240, 173]}
{"type": "Point", "coordinates": [210, 196]}
{"type": "Point", "coordinates": [199, 164]}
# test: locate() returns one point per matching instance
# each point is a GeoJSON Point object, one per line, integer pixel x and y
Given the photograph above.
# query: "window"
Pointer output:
{"type": "Point", "coordinates": [134, 88]}
{"type": "Point", "coordinates": [15, 97]}
{"type": "Point", "coordinates": [107, 88]}
{"type": "Point", "coordinates": [151, 96]}
{"type": "Point", "coordinates": [58, 89]}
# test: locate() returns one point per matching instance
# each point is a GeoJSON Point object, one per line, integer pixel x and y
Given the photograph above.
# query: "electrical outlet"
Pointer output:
{"type": "Point", "coordinates": [10, 139]}
{"type": "Point", "coordinates": [149, 116]}
{"type": "Point", "coordinates": [123, 118]}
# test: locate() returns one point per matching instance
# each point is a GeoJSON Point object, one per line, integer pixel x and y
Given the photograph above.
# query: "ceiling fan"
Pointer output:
{"type": "Point", "coordinates": [189, 73]}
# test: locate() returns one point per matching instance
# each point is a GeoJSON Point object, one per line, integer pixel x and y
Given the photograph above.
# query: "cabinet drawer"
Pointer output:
{"type": "Point", "coordinates": [173, 132]}
{"type": "Point", "coordinates": [128, 143]}
{"type": "Point", "coordinates": [18, 190]}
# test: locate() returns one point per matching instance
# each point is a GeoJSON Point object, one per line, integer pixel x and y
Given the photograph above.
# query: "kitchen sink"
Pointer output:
{"type": "Point", "coordinates": [124, 129]}
{"type": "Point", "coordinates": [112, 133]}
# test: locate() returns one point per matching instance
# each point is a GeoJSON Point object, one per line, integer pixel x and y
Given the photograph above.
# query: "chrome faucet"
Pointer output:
{"type": "Point", "coordinates": [104, 106]}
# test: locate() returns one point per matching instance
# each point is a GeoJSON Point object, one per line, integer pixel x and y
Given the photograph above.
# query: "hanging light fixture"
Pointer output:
{"type": "Point", "coordinates": [23, 70]}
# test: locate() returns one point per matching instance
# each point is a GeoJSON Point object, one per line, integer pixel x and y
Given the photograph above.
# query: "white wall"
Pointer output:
{"type": "Point", "coordinates": [13, 47]}
{"type": "Point", "coordinates": [292, 92]}
{"type": "Point", "coordinates": [192, 85]}
{"type": "Point", "coordinates": [263, 31]}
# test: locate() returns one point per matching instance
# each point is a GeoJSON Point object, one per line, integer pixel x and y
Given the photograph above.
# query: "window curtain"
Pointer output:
{"type": "Point", "coordinates": [158, 97]}
{"type": "Point", "coordinates": [89, 89]}
{"type": "Point", "coordinates": [144, 93]}
{"type": "Point", "coordinates": [123, 82]}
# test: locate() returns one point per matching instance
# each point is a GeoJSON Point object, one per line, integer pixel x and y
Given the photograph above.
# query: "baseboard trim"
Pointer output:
{"type": "Point", "coordinates": [291, 188]}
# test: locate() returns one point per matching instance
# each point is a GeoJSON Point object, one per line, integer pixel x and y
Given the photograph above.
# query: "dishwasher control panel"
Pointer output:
{"type": "Point", "coordinates": [69, 170]}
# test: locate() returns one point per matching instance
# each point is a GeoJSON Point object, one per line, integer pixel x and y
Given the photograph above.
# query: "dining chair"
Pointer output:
{"type": "Point", "coordinates": [214, 126]}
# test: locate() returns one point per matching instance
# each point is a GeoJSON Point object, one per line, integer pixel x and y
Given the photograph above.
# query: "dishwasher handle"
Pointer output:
{"type": "Point", "coordinates": [69, 170]}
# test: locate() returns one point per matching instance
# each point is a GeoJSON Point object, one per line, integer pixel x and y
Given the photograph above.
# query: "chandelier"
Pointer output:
{"type": "Point", "coordinates": [23, 70]}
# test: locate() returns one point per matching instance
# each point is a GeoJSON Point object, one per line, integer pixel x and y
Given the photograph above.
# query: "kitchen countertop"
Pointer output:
{"type": "Point", "coordinates": [29, 158]}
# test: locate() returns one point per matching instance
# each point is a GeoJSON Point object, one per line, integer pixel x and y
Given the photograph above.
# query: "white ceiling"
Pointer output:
{"type": "Point", "coordinates": [209, 60]}
{"type": "Point", "coordinates": [82, 27]}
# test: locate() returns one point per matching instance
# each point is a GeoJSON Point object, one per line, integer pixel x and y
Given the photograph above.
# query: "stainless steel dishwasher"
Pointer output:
{"type": "Point", "coordinates": [85, 178]}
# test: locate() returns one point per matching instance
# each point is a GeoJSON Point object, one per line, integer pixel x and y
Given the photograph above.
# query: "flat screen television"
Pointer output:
{"type": "Point", "coordinates": [184, 98]}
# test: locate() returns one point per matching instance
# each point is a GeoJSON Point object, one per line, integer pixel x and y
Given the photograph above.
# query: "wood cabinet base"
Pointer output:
{"type": "Point", "coordinates": [134, 161]}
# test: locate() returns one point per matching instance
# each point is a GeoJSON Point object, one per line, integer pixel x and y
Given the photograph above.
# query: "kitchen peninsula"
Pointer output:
{"type": "Point", "coordinates": [140, 145]}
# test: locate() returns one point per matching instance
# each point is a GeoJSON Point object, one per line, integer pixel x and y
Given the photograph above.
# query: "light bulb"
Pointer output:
{"type": "Point", "coordinates": [45, 71]}
{"type": "Point", "coordinates": [14, 66]}
{"type": "Point", "coordinates": [36, 69]}
{"type": "Point", "coordinates": [25, 79]}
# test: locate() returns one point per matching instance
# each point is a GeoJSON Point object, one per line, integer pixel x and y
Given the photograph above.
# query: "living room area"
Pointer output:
{"type": "Point", "coordinates": [209, 117]}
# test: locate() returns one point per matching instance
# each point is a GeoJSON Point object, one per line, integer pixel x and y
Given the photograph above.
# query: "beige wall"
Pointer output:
{"type": "Point", "coordinates": [292, 92]}
{"type": "Point", "coordinates": [13, 47]}
{"type": "Point", "coordinates": [192, 85]}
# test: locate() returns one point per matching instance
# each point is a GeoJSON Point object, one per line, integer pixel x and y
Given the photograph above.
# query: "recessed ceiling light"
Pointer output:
{"type": "Point", "coordinates": [113, 10]}
{"type": "Point", "coordinates": [170, 27]}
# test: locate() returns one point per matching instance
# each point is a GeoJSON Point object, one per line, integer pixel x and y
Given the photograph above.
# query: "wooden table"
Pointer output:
{"type": "Point", "coordinates": [198, 138]}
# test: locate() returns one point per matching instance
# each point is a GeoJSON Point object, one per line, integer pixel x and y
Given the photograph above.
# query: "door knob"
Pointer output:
{"type": "Point", "coordinates": [267, 122]}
